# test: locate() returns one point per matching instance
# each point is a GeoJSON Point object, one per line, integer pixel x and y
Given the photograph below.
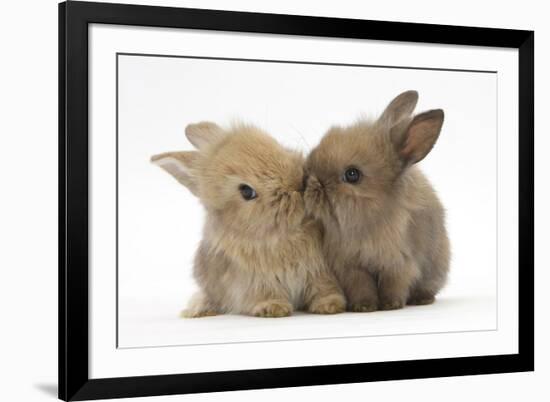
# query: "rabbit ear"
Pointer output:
{"type": "Point", "coordinates": [203, 133]}
{"type": "Point", "coordinates": [420, 136]}
{"type": "Point", "coordinates": [399, 109]}
{"type": "Point", "coordinates": [182, 166]}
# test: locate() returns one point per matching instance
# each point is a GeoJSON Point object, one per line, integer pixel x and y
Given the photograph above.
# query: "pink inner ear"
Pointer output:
{"type": "Point", "coordinates": [421, 137]}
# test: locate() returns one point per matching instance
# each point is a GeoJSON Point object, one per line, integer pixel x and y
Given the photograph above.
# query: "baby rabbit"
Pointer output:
{"type": "Point", "coordinates": [384, 227]}
{"type": "Point", "coordinates": [259, 254]}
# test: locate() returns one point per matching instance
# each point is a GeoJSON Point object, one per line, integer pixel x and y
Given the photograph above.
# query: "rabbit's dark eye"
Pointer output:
{"type": "Point", "coordinates": [247, 192]}
{"type": "Point", "coordinates": [352, 175]}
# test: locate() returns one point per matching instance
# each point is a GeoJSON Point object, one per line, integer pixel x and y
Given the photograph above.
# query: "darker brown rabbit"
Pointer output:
{"type": "Point", "coordinates": [384, 226]}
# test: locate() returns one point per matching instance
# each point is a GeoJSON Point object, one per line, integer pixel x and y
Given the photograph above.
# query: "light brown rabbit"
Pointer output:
{"type": "Point", "coordinates": [384, 227]}
{"type": "Point", "coordinates": [259, 254]}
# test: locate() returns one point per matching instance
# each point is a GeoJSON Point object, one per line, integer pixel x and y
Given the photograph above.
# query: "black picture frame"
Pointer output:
{"type": "Point", "coordinates": [74, 381]}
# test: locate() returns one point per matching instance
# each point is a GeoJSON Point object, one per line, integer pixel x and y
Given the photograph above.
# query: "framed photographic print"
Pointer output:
{"type": "Point", "coordinates": [258, 200]}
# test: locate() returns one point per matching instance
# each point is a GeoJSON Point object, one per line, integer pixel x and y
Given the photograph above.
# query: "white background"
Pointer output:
{"type": "Point", "coordinates": [160, 222]}
{"type": "Point", "coordinates": [29, 131]}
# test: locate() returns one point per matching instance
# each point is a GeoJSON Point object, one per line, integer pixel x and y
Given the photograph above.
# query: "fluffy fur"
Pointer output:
{"type": "Point", "coordinates": [261, 256]}
{"type": "Point", "coordinates": [384, 236]}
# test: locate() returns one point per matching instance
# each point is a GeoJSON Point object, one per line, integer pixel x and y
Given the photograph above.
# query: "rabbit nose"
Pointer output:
{"type": "Point", "coordinates": [304, 183]}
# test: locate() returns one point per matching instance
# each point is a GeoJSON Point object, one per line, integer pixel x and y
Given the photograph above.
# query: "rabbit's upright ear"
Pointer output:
{"type": "Point", "coordinates": [203, 134]}
{"type": "Point", "coordinates": [182, 166]}
{"type": "Point", "coordinates": [420, 136]}
{"type": "Point", "coordinates": [399, 109]}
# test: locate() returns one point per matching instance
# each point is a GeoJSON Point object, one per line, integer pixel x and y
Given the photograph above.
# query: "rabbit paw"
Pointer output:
{"type": "Point", "coordinates": [364, 307]}
{"type": "Point", "coordinates": [391, 304]}
{"type": "Point", "coordinates": [272, 308]}
{"type": "Point", "coordinates": [198, 306]}
{"type": "Point", "coordinates": [330, 304]}
{"type": "Point", "coordinates": [363, 302]}
{"type": "Point", "coordinates": [419, 301]}
{"type": "Point", "coordinates": [190, 313]}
